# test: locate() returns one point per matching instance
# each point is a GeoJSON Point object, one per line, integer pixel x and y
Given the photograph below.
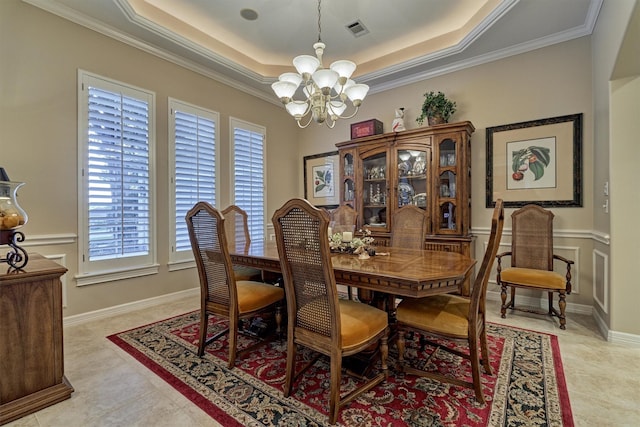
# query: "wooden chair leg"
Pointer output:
{"type": "Point", "coordinates": [475, 369]}
{"type": "Point", "coordinates": [484, 345]}
{"type": "Point", "coordinates": [562, 304]}
{"type": "Point", "coordinates": [503, 297]}
{"type": "Point", "coordinates": [279, 321]}
{"type": "Point", "coordinates": [291, 364]}
{"type": "Point", "coordinates": [334, 388]}
{"type": "Point", "coordinates": [550, 302]}
{"type": "Point", "coordinates": [350, 293]}
{"type": "Point", "coordinates": [233, 342]}
{"type": "Point", "coordinates": [400, 343]}
{"type": "Point", "coordinates": [513, 298]}
{"type": "Point", "coordinates": [204, 320]}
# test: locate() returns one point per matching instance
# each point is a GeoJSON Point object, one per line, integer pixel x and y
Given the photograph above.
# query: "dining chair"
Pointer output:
{"type": "Point", "coordinates": [532, 260]}
{"type": "Point", "coordinates": [343, 218]}
{"type": "Point", "coordinates": [409, 227]}
{"type": "Point", "coordinates": [238, 236]}
{"type": "Point", "coordinates": [454, 317]}
{"type": "Point", "coordinates": [220, 293]}
{"type": "Point", "coordinates": [317, 319]}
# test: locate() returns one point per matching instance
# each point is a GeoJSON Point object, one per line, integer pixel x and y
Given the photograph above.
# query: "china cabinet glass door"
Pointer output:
{"type": "Point", "coordinates": [348, 180]}
{"type": "Point", "coordinates": [446, 188]}
{"type": "Point", "coordinates": [375, 192]}
{"type": "Point", "coordinates": [412, 182]}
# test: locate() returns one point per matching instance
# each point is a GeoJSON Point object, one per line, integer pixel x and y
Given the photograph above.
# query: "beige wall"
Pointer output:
{"type": "Point", "coordinates": [615, 128]}
{"type": "Point", "coordinates": [39, 58]}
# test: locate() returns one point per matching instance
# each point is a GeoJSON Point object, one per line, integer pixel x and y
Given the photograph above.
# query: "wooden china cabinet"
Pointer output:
{"type": "Point", "coordinates": [429, 167]}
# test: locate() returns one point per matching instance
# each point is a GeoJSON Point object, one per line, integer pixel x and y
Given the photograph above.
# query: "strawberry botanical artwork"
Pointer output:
{"type": "Point", "coordinates": [533, 159]}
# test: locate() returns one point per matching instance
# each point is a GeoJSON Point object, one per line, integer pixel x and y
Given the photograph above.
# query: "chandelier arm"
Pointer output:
{"type": "Point", "coordinates": [330, 126]}
{"type": "Point", "coordinates": [352, 115]}
{"type": "Point", "coordinates": [306, 124]}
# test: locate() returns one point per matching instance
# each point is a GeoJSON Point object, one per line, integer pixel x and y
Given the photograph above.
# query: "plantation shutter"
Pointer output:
{"type": "Point", "coordinates": [249, 178]}
{"type": "Point", "coordinates": [195, 169]}
{"type": "Point", "coordinates": [119, 222]}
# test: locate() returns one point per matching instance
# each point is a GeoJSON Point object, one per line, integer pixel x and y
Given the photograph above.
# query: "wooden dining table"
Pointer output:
{"type": "Point", "coordinates": [396, 271]}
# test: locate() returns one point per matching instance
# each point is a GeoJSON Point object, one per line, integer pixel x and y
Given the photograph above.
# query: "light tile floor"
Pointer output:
{"type": "Point", "coordinates": [112, 389]}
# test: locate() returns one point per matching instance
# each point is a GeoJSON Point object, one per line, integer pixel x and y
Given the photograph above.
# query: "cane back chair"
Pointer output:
{"type": "Point", "coordinates": [236, 229]}
{"type": "Point", "coordinates": [532, 260]}
{"type": "Point", "coordinates": [317, 319]}
{"type": "Point", "coordinates": [343, 218]}
{"type": "Point", "coordinates": [221, 294]}
{"type": "Point", "coordinates": [455, 317]}
{"type": "Point", "coordinates": [409, 227]}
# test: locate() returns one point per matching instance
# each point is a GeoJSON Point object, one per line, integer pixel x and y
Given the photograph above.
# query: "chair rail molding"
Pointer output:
{"type": "Point", "coordinates": [565, 233]}
{"type": "Point", "coordinates": [49, 239]}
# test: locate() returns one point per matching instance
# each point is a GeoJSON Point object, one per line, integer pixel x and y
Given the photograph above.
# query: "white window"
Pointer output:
{"type": "Point", "coordinates": [193, 156]}
{"type": "Point", "coordinates": [116, 144]}
{"type": "Point", "coordinates": [248, 175]}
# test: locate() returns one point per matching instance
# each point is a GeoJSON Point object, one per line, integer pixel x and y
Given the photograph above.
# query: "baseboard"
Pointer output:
{"type": "Point", "coordinates": [128, 307]}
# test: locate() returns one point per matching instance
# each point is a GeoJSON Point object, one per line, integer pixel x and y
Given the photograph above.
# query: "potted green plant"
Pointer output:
{"type": "Point", "coordinates": [436, 108]}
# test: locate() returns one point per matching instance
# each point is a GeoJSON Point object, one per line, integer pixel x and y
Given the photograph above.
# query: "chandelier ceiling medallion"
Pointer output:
{"type": "Point", "coordinates": [326, 90]}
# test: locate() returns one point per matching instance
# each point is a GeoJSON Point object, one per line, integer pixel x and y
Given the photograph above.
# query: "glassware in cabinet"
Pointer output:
{"type": "Point", "coordinates": [375, 190]}
{"type": "Point", "coordinates": [412, 177]}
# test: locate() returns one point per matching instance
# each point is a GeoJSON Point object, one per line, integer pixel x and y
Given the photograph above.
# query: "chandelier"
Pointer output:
{"type": "Point", "coordinates": [326, 90]}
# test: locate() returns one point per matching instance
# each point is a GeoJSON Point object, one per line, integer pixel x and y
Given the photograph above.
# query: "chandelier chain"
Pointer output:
{"type": "Point", "coordinates": [319, 27]}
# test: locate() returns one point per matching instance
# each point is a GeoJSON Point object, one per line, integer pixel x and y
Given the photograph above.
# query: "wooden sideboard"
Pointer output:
{"type": "Point", "coordinates": [31, 355]}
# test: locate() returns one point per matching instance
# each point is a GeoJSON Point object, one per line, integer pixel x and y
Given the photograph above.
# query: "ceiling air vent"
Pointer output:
{"type": "Point", "coordinates": [357, 28]}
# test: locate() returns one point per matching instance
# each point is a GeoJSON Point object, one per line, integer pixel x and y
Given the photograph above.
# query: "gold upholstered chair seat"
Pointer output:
{"type": "Point", "coordinates": [442, 314]}
{"type": "Point", "coordinates": [254, 296]}
{"type": "Point", "coordinates": [359, 322]}
{"type": "Point", "coordinates": [533, 278]}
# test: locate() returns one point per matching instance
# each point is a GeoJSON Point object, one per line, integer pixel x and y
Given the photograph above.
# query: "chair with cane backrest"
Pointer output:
{"type": "Point", "coordinates": [455, 317]}
{"type": "Point", "coordinates": [221, 295]}
{"type": "Point", "coordinates": [409, 227]}
{"type": "Point", "coordinates": [343, 218]}
{"type": "Point", "coordinates": [532, 260]}
{"type": "Point", "coordinates": [317, 319]}
{"type": "Point", "coordinates": [237, 232]}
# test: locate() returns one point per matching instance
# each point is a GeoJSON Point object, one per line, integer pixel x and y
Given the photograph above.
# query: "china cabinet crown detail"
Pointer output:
{"type": "Point", "coordinates": [429, 167]}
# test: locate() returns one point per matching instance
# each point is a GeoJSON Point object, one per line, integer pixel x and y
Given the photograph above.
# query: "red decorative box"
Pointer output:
{"type": "Point", "coordinates": [366, 128]}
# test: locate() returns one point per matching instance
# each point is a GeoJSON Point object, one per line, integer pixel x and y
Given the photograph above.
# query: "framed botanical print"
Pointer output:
{"type": "Point", "coordinates": [321, 179]}
{"type": "Point", "coordinates": [539, 162]}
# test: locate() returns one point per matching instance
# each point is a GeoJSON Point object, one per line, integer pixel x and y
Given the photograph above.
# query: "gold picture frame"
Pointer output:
{"type": "Point", "coordinates": [527, 163]}
{"type": "Point", "coordinates": [321, 179]}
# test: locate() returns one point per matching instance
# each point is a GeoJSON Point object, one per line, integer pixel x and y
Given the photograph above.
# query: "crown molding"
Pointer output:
{"type": "Point", "coordinates": [92, 24]}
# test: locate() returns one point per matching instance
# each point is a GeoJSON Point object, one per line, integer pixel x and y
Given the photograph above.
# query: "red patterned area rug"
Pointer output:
{"type": "Point", "coordinates": [527, 389]}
